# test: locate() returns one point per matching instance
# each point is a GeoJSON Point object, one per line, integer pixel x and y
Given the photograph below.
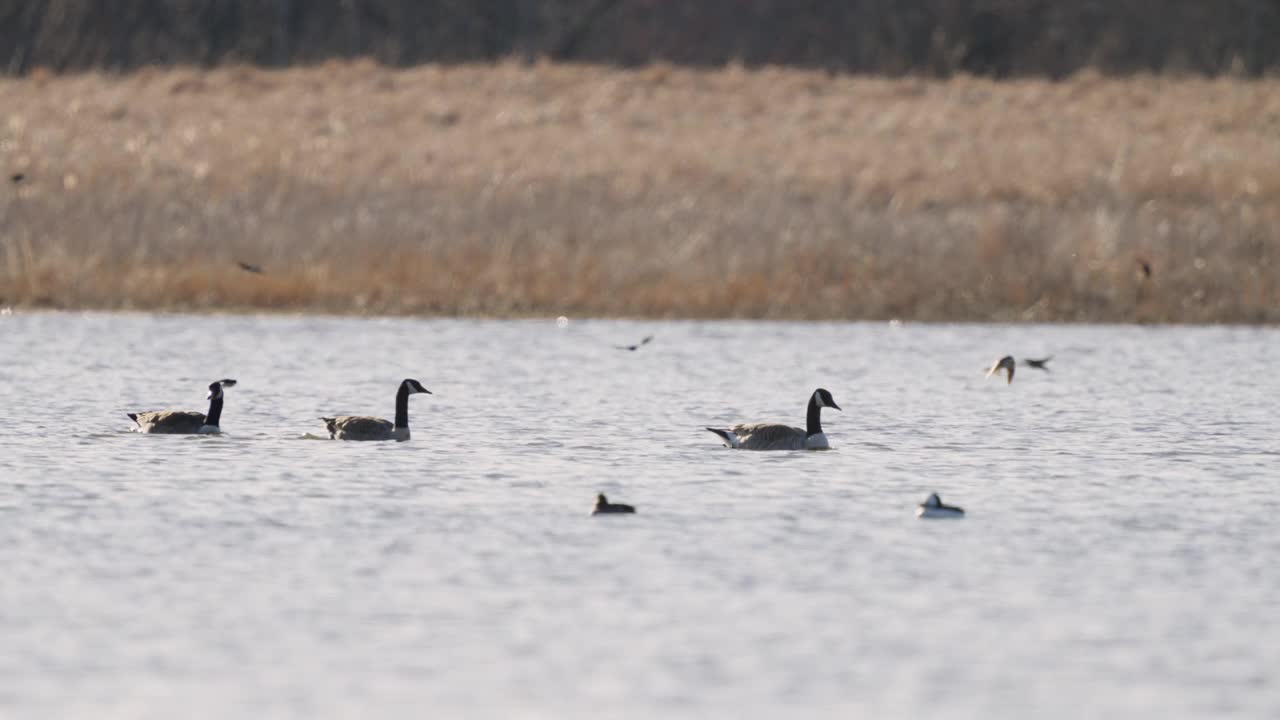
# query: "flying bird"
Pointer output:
{"type": "Point", "coordinates": [1006, 363]}
{"type": "Point", "coordinates": [17, 178]}
{"type": "Point", "coordinates": [256, 269]}
{"type": "Point", "coordinates": [1037, 364]}
{"type": "Point", "coordinates": [1144, 268]}
{"type": "Point", "coordinates": [648, 339]}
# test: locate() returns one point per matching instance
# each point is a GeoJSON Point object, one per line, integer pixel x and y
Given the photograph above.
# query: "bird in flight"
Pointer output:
{"type": "Point", "coordinates": [17, 178]}
{"type": "Point", "coordinates": [1144, 267]}
{"type": "Point", "coordinates": [249, 268]}
{"type": "Point", "coordinates": [1037, 364]}
{"type": "Point", "coordinates": [1005, 363]}
{"type": "Point", "coordinates": [647, 339]}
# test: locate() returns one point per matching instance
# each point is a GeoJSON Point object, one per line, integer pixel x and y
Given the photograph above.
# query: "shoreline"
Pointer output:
{"type": "Point", "coordinates": [896, 322]}
{"type": "Point", "coordinates": [515, 191]}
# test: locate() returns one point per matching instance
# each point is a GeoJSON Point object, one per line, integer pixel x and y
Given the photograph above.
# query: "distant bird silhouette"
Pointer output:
{"type": "Point", "coordinates": [1144, 267]}
{"type": "Point", "coordinates": [1038, 364]}
{"type": "Point", "coordinates": [1143, 274]}
{"type": "Point", "coordinates": [1006, 363]}
{"type": "Point", "coordinates": [17, 178]}
{"type": "Point", "coordinates": [250, 268]}
{"type": "Point", "coordinates": [648, 339]}
{"type": "Point", "coordinates": [604, 507]}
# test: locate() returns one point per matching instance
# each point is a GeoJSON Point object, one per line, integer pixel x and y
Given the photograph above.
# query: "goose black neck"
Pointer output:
{"type": "Point", "coordinates": [814, 418]}
{"type": "Point", "coordinates": [215, 411]}
{"type": "Point", "coordinates": [402, 407]}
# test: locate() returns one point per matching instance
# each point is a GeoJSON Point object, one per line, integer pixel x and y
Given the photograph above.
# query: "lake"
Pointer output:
{"type": "Point", "coordinates": [1118, 557]}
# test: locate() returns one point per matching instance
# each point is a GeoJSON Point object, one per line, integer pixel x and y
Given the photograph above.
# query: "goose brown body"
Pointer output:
{"type": "Point", "coordinates": [169, 422]}
{"type": "Point", "coordinates": [359, 427]}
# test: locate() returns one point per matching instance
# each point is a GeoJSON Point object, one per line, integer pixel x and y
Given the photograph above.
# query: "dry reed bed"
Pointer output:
{"type": "Point", "coordinates": [510, 190]}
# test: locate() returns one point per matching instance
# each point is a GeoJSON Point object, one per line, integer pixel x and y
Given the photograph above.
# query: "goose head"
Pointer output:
{"type": "Point", "coordinates": [411, 386]}
{"type": "Point", "coordinates": [215, 388]}
{"type": "Point", "coordinates": [823, 398]}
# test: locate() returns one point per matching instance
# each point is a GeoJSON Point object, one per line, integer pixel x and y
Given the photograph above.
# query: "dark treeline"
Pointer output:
{"type": "Point", "coordinates": [1000, 37]}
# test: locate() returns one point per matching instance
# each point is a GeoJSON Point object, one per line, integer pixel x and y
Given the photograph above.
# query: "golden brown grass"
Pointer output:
{"type": "Point", "coordinates": [663, 192]}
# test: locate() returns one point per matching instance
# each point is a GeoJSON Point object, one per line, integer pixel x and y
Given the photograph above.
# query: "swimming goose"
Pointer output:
{"type": "Point", "coordinates": [774, 436]}
{"type": "Point", "coordinates": [1005, 363]}
{"type": "Point", "coordinates": [604, 507]}
{"type": "Point", "coordinates": [932, 507]}
{"type": "Point", "coordinates": [178, 422]}
{"type": "Point", "coordinates": [356, 427]}
{"type": "Point", "coordinates": [1037, 364]}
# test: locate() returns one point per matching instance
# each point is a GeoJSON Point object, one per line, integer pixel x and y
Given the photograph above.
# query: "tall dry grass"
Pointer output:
{"type": "Point", "coordinates": [663, 192]}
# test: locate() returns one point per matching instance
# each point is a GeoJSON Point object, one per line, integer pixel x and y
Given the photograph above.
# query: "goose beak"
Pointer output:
{"type": "Point", "coordinates": [834, 405]}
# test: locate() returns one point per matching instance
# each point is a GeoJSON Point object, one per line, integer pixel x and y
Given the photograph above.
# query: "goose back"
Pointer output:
{"type": "Point", "coordinates": [769, 436]}
{"type": "Point", "coordinates": [357, 427]}
{"type": "Point", "coordinates": [170, 422]}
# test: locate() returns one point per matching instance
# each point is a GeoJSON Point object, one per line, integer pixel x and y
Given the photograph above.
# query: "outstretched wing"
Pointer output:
{"type": "Point", "coordinates": [647, 339]}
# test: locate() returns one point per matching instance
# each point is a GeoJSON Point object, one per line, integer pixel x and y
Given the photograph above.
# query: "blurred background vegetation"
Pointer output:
{"type": "Point", "coordinates": [1003, 37]}
{"type": "Point", "coordinates": [915, 159]}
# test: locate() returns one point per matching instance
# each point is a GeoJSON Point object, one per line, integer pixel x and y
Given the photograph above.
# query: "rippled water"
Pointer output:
{"type": "Point", "coordinates": [1119, 558]}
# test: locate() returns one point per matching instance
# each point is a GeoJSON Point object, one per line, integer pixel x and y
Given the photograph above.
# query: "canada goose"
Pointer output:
{"type": "Point", "coordinates": [932, 507]}
{"type": "Point", "coordinates": [1037, 364]}
{"type": "Point", "coordinates": [647, 339]}
{"type": "Point", "coordinates": [775, 436]}
{"type": "Point", "coordinates": [1006, 363]}
{"type": "Point", "coordinates": [179, 422]}
{"type": "Point", "coordinates": [604, 507]}
{"type": "Point", "coordinates": [249, 268]}
{"type": "Point", "coordinates": [356, 427]}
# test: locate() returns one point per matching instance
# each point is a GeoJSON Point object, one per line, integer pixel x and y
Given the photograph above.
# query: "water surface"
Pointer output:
{"type": "Point", "coordinates": [1118, 558]}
